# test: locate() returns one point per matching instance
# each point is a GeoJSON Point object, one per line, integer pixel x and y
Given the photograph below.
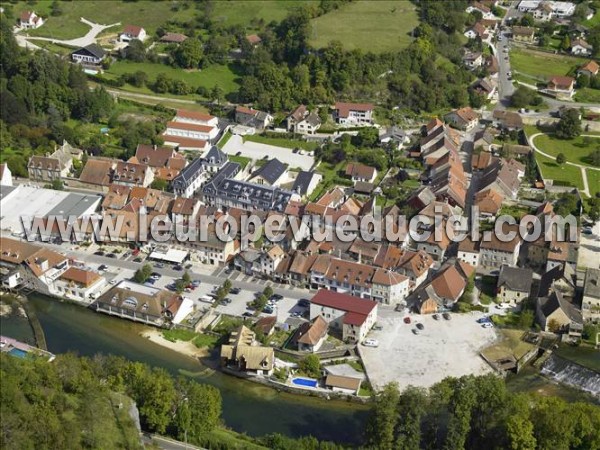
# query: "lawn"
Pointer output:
{"type": "Point", "coordinates": [282, 142]}
{"type": "Point", "coordinates": [587, 95]}
{"type": "Point", "coordinates": [566, 173]}
{"type": "Point", "coordinates": [251, 14]}
{"type": "Point", "coordinates": [585, 356]}
{"type": "Point", "coordinates": [576, 150]}
{"type": "Point", "coordinates": [511, 344]}
{"type": "Point", "coordinates": [225, 76]}
{"type": "Point", "coordinates": [241, 160]}
{"type": "Point", "coordinates": [198, 339]}
{"type": "Point", "coordinates": [593, 177]}
{"type": "Point", "coordinates": [376, 26]}
{"type": "Point", "coordinates": [147, 14]}
{"type": "Point", "coordinates": [593, 21]}
{"type": "Point", "coordinates": [542, 65]}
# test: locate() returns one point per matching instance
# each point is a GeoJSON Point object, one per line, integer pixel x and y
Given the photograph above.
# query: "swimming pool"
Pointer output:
{"type": "Point", "coordinates": [18, 352]}
{"type": "Point", "coordinates": [306, 382]}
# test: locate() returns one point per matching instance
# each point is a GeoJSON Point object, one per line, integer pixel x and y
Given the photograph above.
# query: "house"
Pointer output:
{"type": "Point", "coordinates": [468, 252]}
{"type": "Point", "coordinates": [503, 176]}
{"type": "Point", "coordinates": [590, 68]}
{"type": "Point", "coordinates": [361, 172]}
{"type": "Point", "coordinates": [394, 136]}
{"type": "Point", "coordinates": [165, 162]}
{"type": "Point", "coordinates": [173, 38]}
{"type": "Point", "coordinates": [415, 266]}
{"type": "Point", "coordinates": [488, 202]}
{"type": "Point", "coordinates": [561, 87]}
{"type": "Point", "coordinates": [131, 32]}
{"type": "Point", "coordinates": [244, 354]}
{"type": "Point", "coordinates": [477, 31]}
{"type": "Point", "coordinates": [97, 172]}
{"type": "Point", "coordinates": [491, 63]}
{"type": "Point", "coordinates": [556, 314]}
{"type": "Point", "coordinates": [266, 325]}
{"type": "Point", "coordinates": [507, 120]}
{"type": "Point", "coordinates": [132, 174]}
{"type": "Point", "coordinates": [30, 20]}
{"type": "Point", "coordinates": [485, 87]}
{"type": "Point", "coordinates": [273, 173]}
{"type": "Point", "coordinates": [544, 10]}
{"type": "Point", "coordinates": [184, 210]}
{"type": "Point", "coordinates": [268, 261]}
{"type": "Point", "coordinates": [353, 114]}
{"type": "Point", "coordinates": [5, 175]}
{"type": "Point", "coordinates": [353, 316]}
{"type": "Point", "coordinates": [494, 253]}
{"type": "Point", "coordinates": [53, 166]}
{"type": "Point", "coordinates": [514, 284]}
{"type": "Point", "coordinates": [523, 34]}
{"type": "Point", "coordinates": [463, 118]}
{"type": "Point", "coordinates": [302, 121]}
{"type": "Point", "coordinates": [79, 284]}
{"type": "Point", "coordinates": [482, 139]}
{"type": "Point", "coordinates": [252, 118]}
{"type": "Point", "coordinates": [472, 60]}
{"type": "Point", "coordinates": [590, 304]}
{"type": "Point", "coordinates": [310, 336]}
{"type": "Point", "coordinates": [253, 39]}
{"type": "Point", "coordinates": [343, 384]}
{"type": "Point", "coordinates": [190, 179]}
{"type": "Point", "coordinates": [90, 55]}
{"type": "Point", "coordinates": [305, 183]}
{"type": "Point", "coordinates": [581, 48]}
{"type": "Point", "coordinates": [483, 9]}
{"type": "Point", "coordinates": [177, 308]}
{"type": "Point", "coordinates": [445, 288]}
{"type": "Point", "coordinates": [191, 130]}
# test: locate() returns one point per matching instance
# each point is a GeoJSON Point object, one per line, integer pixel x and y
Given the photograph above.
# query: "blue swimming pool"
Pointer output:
{"type": "Point", "coordinates": [18, 352]}
{"type": "Point", "coordinates": [306, 382]}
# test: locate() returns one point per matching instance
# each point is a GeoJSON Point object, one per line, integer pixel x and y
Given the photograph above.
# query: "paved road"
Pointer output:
{"type": "Point", "coordinates": [167, 443]}
{"type": "Point", "coordinates": [89, 38]}
{"type": "Point", "coordinates": [256, 150]}
{"type": "Point", "coordinates": [124, 94]}
{"type": "Point", "coordinates": [505, 86]}
{"type": "Point", "coordinates": [583, 168]}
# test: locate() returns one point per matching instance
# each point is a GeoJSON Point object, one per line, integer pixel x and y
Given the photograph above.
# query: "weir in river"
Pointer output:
{"type": "Point", "coordinates": [572, 374]}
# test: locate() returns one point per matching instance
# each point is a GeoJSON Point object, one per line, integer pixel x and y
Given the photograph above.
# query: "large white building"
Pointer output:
{"type": "Point", "coordinates": [539, 8]}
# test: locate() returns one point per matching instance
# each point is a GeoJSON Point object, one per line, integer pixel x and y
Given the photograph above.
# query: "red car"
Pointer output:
{"type": "Point", "coordinates": [407, 320]}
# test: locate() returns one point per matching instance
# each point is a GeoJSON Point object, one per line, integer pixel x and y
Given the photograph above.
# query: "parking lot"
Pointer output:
{"type": "Point", "coordinates": [443, 348]}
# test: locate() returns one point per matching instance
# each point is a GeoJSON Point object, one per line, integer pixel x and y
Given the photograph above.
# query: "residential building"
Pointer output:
{"type": "Point", "coordinates": [488, 202]}
{"type": "Point", "coordinates": [253, 39]}
{"type": "Point", "coordinates": [53, 166]}
{"type": "Point", "coordinates": [210, 249]}
{"type": "Point", "coordinates": [514, 285]}
{"type": "Point", "coordinates": [580, 47]}
{"type": "Point", "coordinates": [305, 183]}
{"type": "Point", "coordinates": [184, 210]}
{"type": "Point", "coordinates": [165, 162]}
{"type": "Point", "coordinates": [507, 120]}
{"type": "Point", "coordinates": [131, 174]}
{"type": "Point", "coordinates": [353, 113]}
{"type": "Point", "coordinates": [523, 34]}
{"type": "Point", "coordinates": [173, 38]}
{"type": "Point", "coordinates": [266, 324]}
{"type": "Point", "coordinates": [190, 131]}
{"type": "Point", "coordinates": [244, 354]}
{"type": "Point", "coordinates": [79, 284]}
{"type": "Point", "coordinates": [445, 288]}
{"type": "Point", "coordinates": [463, 118]}
{"type": "Point", "coordinates": [5, 175]}
{"type": "Point", "coordinates": [268, 261]}
{"type": "Point", "coordinates": [415, 266]}
{"type": "Point", "coordinates": [468, 252]}
{"type": "Point", "coordinates": [90, 55]}
{"type": "Point", "coordinates": [190, 179]}
{"type": "Point", "coordinates": [97, 173]}
{"type": "Point", "coordinates": [503, 176]}
{"type": "Point", "coordinates": [353, 316]}
{"type": "Point", "coordinates": [486, 87]}
{"type": "Point", "coordinates": [557, 314]}
{"type": "Point", "coordinates": [302, 121]}
{"type": "Point", "coordinates": [29, 20]}
{"type": "Point", "coordinates": [472, 60]}
{"type": "Point", "coordinates": [477, 31]}
{"type": "Point", "coordinates": [252, 118]}
{"type": "Point", "coordinates": [310, 336]}
{"type": "Point", "coordinates": [494, 253]}
{"type": "Point", "coordinates": [393, 136]}
{"type": "Point", "coordinates": [273, 173]}
{"type": "Point", "coordinates": [590, 68]}
{"type": "Point", "coordinates": [361, 172]}
{"type": "Point", "coordinates": [131, 32]}
{"type": "Point", "coordinates": [543, 10]}
{"type": "Point", "coordinates": [590, 304]}
{"type": "Point", "coordinates": [343, 384]}
{"type": "Point", "coordinates": [561, 87]}
{"type": "Point", "coordinates": [483, 9]}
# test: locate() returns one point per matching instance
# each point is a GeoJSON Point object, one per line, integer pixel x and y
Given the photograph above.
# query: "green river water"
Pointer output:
{"type": "Point", "coordinates": [247, 407]}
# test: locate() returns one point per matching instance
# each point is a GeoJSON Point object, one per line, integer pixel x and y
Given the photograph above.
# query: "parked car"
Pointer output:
{"type": "Point", "coordinates": [446, 316]}
{"type": "Point", "coordinates": [103, 267]}
{"type": "Point", "coordinates": [488, 325]}
{"type": "Point", "coordinates": [188, 266]}
{"type": "Point", "coordinates": [377, 327]}
{"type": "Point", "coordinates": [113, 282]}
{"type": "Point", "coordinates": [99, 253]}
{"type": "Point", "coordinates": [111, 255]}
{"type": "Point", "coordinates": [247, 314]}
{"type": "Point", "coordinates": [226, 301]}
{"type": "Point", "coordinates": [276, 297]}
{"type": "Point", "coordinates": [160, 265]}
{"type": "Point", "coordinates": [587, 230]}
{"type": "Point", "coordinates": [420, 326]}
{"type": "Point", "coordinates": [155, 275]}
{"type": "Point", "coordinates": [137, 260]}
{"type": "Point", "coordinates": [407, 319]}
{"type": "Point", "coordinates": [436, 317]}
{"type": "Point", "coordinates": [235, 291]}
{"type": "Point", "coordinates": [228, 271]}
{"type": "Point", "coordinates": [304, 303]}
{"type": "Point", "coordinates": [267, 309]}
{"type": "Point", "coordinates": [371, 343]}
{"type": "Point", "coordinates": [178, 268]}
{"type": "Point", "coordinates": [415, 331]}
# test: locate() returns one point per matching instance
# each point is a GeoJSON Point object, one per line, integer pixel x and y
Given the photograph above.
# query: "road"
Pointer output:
{"type": "Point", "coordinates": [89, 38]}
{"type": "Point", "coordinates": [167, 443]}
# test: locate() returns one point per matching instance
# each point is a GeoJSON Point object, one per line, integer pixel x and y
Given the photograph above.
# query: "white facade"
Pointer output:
{"type": "Point", "coordinates": [79, 292]}
{"type": "Point", "coordinates": [471, 258]}
{"type": "Point", "coordinates": [186, 308]}
{"type": "Point", "coordinates": [6, 175]}
{"type": "Point", "coordinates": [202, 133]}
{"type": "Point", "coordinates": [30, 20]}
{"type": "Point", "coordinates": [580, 50]}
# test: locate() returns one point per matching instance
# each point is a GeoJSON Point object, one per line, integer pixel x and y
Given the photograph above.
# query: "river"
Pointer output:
{"type": "Point", "coordinates": [247, 407]}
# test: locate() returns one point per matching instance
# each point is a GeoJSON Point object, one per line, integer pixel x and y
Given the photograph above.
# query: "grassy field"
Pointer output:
{"type": "Point", "coordinates": [593, 177]}
{"type": "Point", "coordinates": [376, 26]}
{"type": "Point", "coordinates": [575, 150]}
{"type": "Point", "coordinates": [542, 65]}
{"type": "Point", "coordinates": [587, 95]}
{"type": "Point", "coordinates": [510, 345]}
{"type": "Point", "coordinates": [586, 356]}
{"type": "Point", "coordinates": [148, 14]}
{"type": "Point", "coordinates": [251, 13]}
{"type": "Point", "coordinates": [551, 170]}
{"type": "Point", "coordinates": [223, 75]}
{"type": "Point", "coordinates": [282, 142]}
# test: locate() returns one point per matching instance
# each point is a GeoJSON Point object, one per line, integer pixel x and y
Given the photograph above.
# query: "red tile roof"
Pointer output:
{"type": "Point", "coordinates": [194, 115]}
{"type": "Point", "coordinates": [132, 30]}
{"type": "Point", "coordinates": [190, 126]}
{"type": "Point", "coordinates": [344, 109]}
{"type": "Point", "coordinates": [343, 302]}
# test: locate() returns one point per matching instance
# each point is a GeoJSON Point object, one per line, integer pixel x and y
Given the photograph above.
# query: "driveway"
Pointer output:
{"type": "Point", "coordinates": [256, 151]}
{"type": "Point", "coordinates": [444, 348]}
{"type": "Point", "coordinates": [89, 38]}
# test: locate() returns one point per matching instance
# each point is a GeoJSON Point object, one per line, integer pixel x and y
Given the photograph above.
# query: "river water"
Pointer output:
{"type": "Point", "coordinates": [247, 407]}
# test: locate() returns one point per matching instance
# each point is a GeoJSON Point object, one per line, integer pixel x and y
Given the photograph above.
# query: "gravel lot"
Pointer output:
{"type": "Point", "coordinates": [444, 348]}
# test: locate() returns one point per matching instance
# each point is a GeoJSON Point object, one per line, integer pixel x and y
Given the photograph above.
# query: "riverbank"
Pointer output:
{"type": "Point", "coordinates": [186, 348]}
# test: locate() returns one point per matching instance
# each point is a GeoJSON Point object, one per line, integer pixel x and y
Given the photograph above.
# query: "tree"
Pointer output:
{"type": "Point", "coordinates": [522, 97]}
{"type": "Point", "coordinates": [259, 302]}
{"type": "Point", "coordinates": [594, 158]}
{"type": "Point", "coordinates": [411, 409]}
{"type": "Point", "coordinates": [142, 274]}
{"type": "Point", "coordinates": [311, 365]}
{"type": "Point", "coordinates": [216, 94]}
{"type": "Point", "coordinates": [526, 318]}
{"type": "Point", "coordinates": [527, 20]}
{"type": "Point", "coordinates": [57, 185]}
{"type": "Point", "coordinates": [268, 291]}
{"type": "Point", "coordinates": [569, 125]}
{"type": "Point", "coordinates": [180, 286]}
{"type": "Point", "coordinates": [186, 277]}
{"type": "Point", "coordinates": [561, 158]}
{"type": "Point", "coordinates": [159, 184]}
{"type": "Point", "coordinates": [188, 54]}
{"type": "Point", "coordinates": [565, 45]}
{"type": "Point", "coordinates": [227, 285]}
{"type": "Point", "coordinates": [162, 84]}
{"type": "Point", "coordinates": [553, 326]}
{"type": "Point", "coordinates": [384, 417]}
{"type": "Point", "coordinates": [135, 51]}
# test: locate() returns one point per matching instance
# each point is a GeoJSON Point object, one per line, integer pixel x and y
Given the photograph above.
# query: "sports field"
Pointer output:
{"type": "Point", "coordinates": [375, 26]}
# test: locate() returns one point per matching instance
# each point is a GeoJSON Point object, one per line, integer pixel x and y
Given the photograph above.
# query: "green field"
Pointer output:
{"type": "Point", "coordinates": [587, 95]}
{"type": "Point", "coordinates": [375, 26]}
{"type": "Point", "coordinates": [249, 13]}
{"type": "Point", "coordinates": [593, 177]}
{"type": "Point", "coordinates": [147, 14]}
{"type": "Point", "coordinates": [542, 65]}
{"type": "Point", "coordinates": [223, 75]}
{"type": "Point", "coordinates": [551, 170]}
{"type": "Point", "coordinates": [575, 150]}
